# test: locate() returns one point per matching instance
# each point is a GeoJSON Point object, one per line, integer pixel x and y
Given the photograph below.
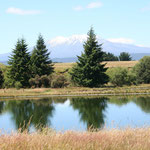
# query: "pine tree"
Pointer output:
{"type": "Point", "coordinates": [19, 64]}
{"type": "Point", "coordinates": [89, 72]}
{"type": "Point", "coordinates": [1, 78]}
{"type": "Point", "coordinates": [40, 61]}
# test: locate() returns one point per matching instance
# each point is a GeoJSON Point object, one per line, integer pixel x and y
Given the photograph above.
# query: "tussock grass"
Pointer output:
{"type": "Point", "coordinates": [114, 139]}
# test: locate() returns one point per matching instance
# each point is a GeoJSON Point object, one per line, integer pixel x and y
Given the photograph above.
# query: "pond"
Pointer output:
{"type": "Point", "coordinates": [75, 113]}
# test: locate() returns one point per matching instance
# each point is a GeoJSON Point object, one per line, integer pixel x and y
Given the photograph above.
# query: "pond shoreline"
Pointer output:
{"type": "Point", "coordinates": [46, 96]}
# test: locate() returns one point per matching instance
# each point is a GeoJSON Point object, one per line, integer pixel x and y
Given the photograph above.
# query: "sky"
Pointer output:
{"type": "Point", "coordinates": [114, 20]}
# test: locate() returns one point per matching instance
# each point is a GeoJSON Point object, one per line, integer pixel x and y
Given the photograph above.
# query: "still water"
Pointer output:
{"type": "Point", "coordinates": [79, 113]}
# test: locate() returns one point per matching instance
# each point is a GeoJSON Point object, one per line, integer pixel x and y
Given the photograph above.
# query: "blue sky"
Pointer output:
{"type": "Point", "coordinates": [116, 20]}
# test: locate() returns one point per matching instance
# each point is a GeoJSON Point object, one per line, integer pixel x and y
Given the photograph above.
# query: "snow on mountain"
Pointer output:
{"type": "Point", "coordinates": [67, 40]}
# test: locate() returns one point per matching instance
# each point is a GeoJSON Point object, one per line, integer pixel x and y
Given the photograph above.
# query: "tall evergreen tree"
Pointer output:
{"type": "Point", "coordinates": [40, 61]}
{"type": "Point", "coordinates": [89, 71]}
{"type": "Point", "coordinates": [19, 64]}
{"type": "Point", "coordinates": [1, 78]}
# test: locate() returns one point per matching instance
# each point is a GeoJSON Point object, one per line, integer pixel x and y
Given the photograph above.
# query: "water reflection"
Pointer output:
{"type": "Point", "coordinates": [42, 111]}
{"type": "Point", "coordinates": [119, 101]}
{"type": "Point", "coordinates": [27, 113]}
{"type": "Point", "coordinates": [1, 106]}
{"type": "Point", "coordinates": [143, 103]}
{"type": "Point", "coordinates": [91, 111]}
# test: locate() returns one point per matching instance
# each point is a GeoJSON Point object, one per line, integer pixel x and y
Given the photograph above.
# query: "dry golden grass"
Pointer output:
{"type": "Point", "coordinates": [62, 66]}
{"type": "Point", "coordinates": [127, 64]}
{"type": "Point", "coordinates": [109, 64]}
{"type": "Point", "coordinates": [76, 91]}
{"type": "Point", "coordinates": [127, 139]}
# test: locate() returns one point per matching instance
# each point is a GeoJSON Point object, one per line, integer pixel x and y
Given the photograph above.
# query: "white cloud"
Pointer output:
{"type": "Point", "coordinates": [94, 5]}
{"type": "Point", "coordinates": [146, 9]}
{"type": "Point", "coordinates": [78, 8]}
{"type": "Point", "coordinates": [19, 11]}
{"type": "Point", "coordinates": [89, 6]}
{"type": "Point", "coordinates": [121, 40]}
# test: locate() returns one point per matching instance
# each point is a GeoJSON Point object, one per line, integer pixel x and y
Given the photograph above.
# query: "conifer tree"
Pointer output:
{"type": "Point", "coordinates": [40, 61]}
{"type": "Point", "coordinates": [19, 64]}
{"type": "Point", "coordinates": [89, 72]}
{"type": "Point", "coordinates": [1, 78]}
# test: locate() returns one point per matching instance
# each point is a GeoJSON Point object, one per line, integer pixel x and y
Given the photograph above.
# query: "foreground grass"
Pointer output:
{"type": "Point", "coordinates": [73, 91]}
{"type": "Point", "coordinates": [128, 139]}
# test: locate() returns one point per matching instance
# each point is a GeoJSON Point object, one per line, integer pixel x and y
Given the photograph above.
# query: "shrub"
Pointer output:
{"type": "Point", "coordinates": [35, 82]}
{"type": "Point", "coordinates": [59, 81]}
{"type": "Point", "coordinates": [18, 85]}
{"type": "Point", "coordinates": [8, 82]}
{"type": "Point", "coordinates": [43, 81]}
{"type": "Point", "coordinates": [142, 70]}
{"type": "Point", "coordinates": [54, 81]}
{"type": "Point", "coordinates": [46, 81]}
{"type": "Point", "coordinates": [121, 76]}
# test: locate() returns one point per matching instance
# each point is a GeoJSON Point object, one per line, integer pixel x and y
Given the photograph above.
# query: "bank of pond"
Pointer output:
{"type": "Point", "coordinates": [75, 113]}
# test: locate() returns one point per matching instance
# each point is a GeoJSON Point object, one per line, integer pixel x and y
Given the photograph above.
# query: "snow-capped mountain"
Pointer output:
{"type": "Point", "coordinates": [61, 47]}
{"type": "Point", "coordinates": [70, 47]}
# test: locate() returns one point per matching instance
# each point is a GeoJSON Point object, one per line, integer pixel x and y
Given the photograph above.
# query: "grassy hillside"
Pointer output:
{"type": "Point", "coordinates": [111, 64]}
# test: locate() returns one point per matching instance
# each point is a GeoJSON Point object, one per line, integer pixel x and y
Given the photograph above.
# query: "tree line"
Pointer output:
{"type": "Point", "coordinates": [36, 69]}
{"type": "Point", "coordinates": [124, 56]}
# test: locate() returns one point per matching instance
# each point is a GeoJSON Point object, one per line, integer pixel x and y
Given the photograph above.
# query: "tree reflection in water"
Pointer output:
{"type": "Point", "coordinates": [143, 103]}
{"type": "Point", "coordinates": [119, 101]}
{"type": "Point", "coordinates": [1, 106]}
{"type": "Point", "coordinates": [91, 110]}
{"type": "Point", "coordinates": [26, 113]}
